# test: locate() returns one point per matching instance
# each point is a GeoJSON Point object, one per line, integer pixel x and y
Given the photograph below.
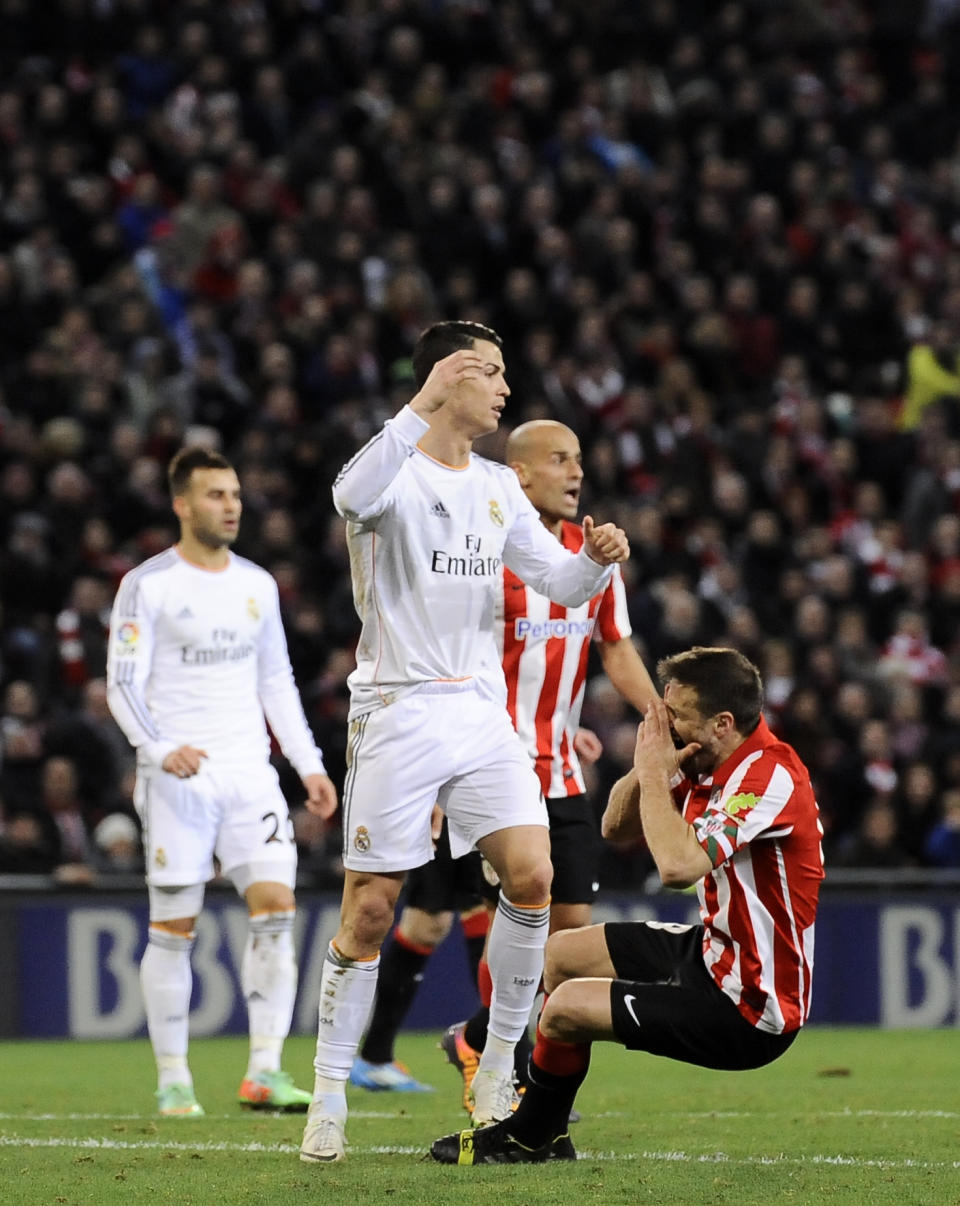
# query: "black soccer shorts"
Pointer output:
{"type": "Point", "coordinates": [460, 884]}
{"type": "Point", "coordinates": [445, 884]}
{"type": "Point", "coordinates": [664, 1000]}
{"type": "Point", "coordinates": [574, 850]}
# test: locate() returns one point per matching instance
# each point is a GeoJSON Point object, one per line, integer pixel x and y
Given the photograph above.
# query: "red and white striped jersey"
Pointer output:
{"type": "Point", "coordinates": [757, 819]}
{"type": "Point", "coordinates": [544, 649]}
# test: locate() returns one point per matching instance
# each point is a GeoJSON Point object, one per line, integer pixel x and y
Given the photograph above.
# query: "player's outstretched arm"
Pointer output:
{"type": "Point", "coordinates": [624, 666]}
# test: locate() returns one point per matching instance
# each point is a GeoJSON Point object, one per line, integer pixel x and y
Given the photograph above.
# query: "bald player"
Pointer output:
{"type": "Point", "coordinates": [544, 649]}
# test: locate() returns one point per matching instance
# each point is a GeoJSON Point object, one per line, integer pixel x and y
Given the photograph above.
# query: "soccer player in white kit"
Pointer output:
{"type": "Point", "coordinates": [197, 658]}
{"type": "Point", "coordinates": [430, 526]}
{"type": "Point", "coordinates": [544, 650]}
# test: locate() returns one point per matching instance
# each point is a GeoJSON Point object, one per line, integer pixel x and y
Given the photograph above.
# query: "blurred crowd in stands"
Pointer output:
{"type": "Point", "coordinates": [721, 241]}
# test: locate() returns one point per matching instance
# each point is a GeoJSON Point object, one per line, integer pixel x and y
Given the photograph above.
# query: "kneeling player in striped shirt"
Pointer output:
{"type": "Point", "coordinates": [725, 805]}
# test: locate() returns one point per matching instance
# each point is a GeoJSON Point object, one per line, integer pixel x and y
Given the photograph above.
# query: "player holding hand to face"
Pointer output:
{"type": "Point", "coordinates": [725, 805]}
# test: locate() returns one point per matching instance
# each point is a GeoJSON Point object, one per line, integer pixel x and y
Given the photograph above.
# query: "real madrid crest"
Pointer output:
{"type": "Point", "coordinates": [489, 875]}
{"type": "Point", "coordinates": [361, 839]}
{"type": "Point", "coordinates": [495, 513]}
{"type": "Point", "coordinates": [253, 611]}
{"type": "Point", "coordinates": [160, 858]}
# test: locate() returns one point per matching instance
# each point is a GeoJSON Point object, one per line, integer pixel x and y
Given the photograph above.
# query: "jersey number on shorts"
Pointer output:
{"type": "Point", "coordinates": [275, 832]}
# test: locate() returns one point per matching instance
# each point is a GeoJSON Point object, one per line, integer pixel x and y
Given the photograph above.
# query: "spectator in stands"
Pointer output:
{"type": "Point", "coordinates": [117, 844]}
{"type": "Point", "coordinates": [21, 745]}
{"type": "Point", "coordinates": [60, 799]}
{"type": "Point", "coordinates": [874, 843]}
{"type": "Point", "coordinates": [29, 843]}
{"type": "Point", "coordinates": [916, 803]}
{"type": "Point", "coordinates": [942, 845]}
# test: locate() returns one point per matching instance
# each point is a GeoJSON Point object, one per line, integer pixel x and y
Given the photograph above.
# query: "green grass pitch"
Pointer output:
{"type": "Point", "coordinates": [846, 1116]}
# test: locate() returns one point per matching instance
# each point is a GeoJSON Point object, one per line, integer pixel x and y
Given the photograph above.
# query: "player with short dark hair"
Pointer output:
{"type": "Point", "coordinates": [187, 460]}
{"type": "Point", "coordinates": [197, 660]}
{"type": "Point", "coordinates": [544, 651]}
{"type": "Point", "coordinates": [430, 526]}
{"type": "Point", "coordinates": [725, 805]}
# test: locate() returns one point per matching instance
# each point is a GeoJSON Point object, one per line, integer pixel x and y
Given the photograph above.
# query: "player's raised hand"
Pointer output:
{"type": "Point", "coordinates": [605, 544]}
{"type": "Point", "coordinates": [321, 795]}
{"type": "Point", "coordinates": [445, 377]}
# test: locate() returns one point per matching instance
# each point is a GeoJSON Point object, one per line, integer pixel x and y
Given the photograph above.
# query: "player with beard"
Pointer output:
{"type": "Point", "coordinates": [725, 805]}
{"type": "Point", "coordinates": [197, 664]}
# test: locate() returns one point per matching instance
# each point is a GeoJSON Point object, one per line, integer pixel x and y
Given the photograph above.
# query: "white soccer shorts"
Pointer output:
{"type": "Point", "coordinates": [454, 748]}
{"type": "Point", "coordinates": [238, 814]}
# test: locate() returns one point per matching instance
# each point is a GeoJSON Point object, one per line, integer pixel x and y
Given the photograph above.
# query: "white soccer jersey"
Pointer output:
{"type": "Point", "coordinates": [544, 648]}
{"type": "Point", "coordinates": [428, 543]}
{"type": "Point", "coordinates": [198, 657]}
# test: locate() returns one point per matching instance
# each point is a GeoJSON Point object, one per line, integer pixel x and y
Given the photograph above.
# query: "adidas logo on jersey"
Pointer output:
{"type": "Point", "coordinates": [439, 509]}
{"type": "Point", "coordinates": [185, 614]}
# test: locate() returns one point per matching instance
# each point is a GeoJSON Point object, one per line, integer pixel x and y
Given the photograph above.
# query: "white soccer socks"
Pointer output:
{"type": "Point", "coordinates": [518, 936]}
{"type": "Point", "coordinates": [268, 976]}
{"type": "Point", "coordinates": [166, 980]}
{"type": "Point", "coordinates": [347, 988]}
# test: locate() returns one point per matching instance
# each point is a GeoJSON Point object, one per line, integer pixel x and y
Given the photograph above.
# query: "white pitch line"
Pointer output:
{"type": "Point", "coordinates": [890, 1114]}
{"type": "Point", "coordinates": [819, 1114]}
{"type": "Point", "coordinates": [395, 1114]}
{"type": "Point", "coordinates": [399, 1114]}
{"type": "Point", "coordinates": [677, 1157]}
{"type": "Point", "coordinates": [73, 1117]}
{"type": "Point", "coordinates": [122, 1145]}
